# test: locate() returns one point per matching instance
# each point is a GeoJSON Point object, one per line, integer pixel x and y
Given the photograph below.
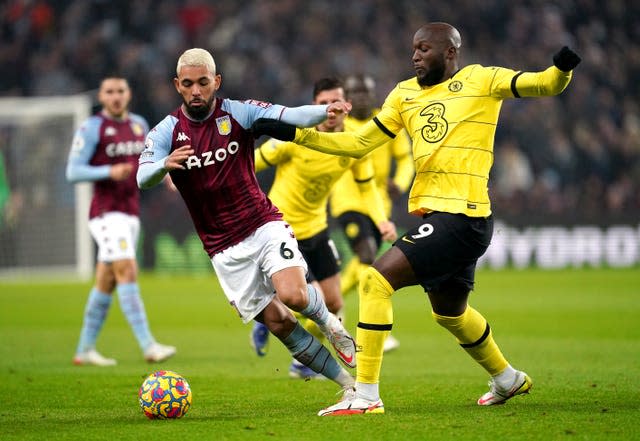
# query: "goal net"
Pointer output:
{"type": "Point", "coordinates": [43, 218]}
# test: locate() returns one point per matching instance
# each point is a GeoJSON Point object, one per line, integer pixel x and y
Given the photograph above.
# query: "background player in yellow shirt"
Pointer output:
{"type": "Point", "coordinates": [303, 181]}
{"type": "Point", "coordinates": [451, 113]}
{"type": "Point", "coordinates": [352, 212]}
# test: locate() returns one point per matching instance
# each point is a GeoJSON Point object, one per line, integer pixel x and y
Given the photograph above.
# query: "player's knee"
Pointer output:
{"type": "Point", "coordinates": [330, 290]}
{"type": "Point", "coordinates": [293, 295]}
{"type": "Point", "coordinates": [125, 271]}
{"type": "Point", "coordinates": [105, 279]}
{"type": "Point", "coordinates": [450, 298]}
{"type": "Point", "coordinates": [334, 304]}
{"type": "Point", "coordinates": [373, 284]}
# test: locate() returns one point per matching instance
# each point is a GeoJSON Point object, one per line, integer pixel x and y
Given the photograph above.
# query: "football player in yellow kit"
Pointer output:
{"type": "Point", "coordinates": [451, 113]}
{"type": "Point", "coordinates": [303, 181]}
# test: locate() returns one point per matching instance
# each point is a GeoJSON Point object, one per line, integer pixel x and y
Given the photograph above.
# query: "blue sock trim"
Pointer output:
{"type": "Point", "coordinates": [305, 348]}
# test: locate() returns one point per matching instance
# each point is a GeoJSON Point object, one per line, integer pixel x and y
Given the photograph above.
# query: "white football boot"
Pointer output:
{"type": "Point", "coordinates": [350, 404]}
{"type": "Point", "coordinates": [341, 340]}
{"type": "Point", "coordinates": [92, 357]}
{"type": "Point", "coordinates": [498, 395]}
{"type": "Point", "coordinates": [157, 352]}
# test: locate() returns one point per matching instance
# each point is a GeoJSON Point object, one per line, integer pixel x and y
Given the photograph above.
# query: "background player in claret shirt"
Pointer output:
{"type": "Point", "coordinates": [451, 113]}
{"type": "Point", "coordinates": [304, 179]}
{"type": "Point", "coordinates": [208, 149]}
{"type": "Point", "coordinates": [352, 212]}
{"type": "Point", "coordinates": [105, 151]}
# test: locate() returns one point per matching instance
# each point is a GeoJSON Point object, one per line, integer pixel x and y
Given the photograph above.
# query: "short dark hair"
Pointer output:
{"type": "Point", "coordinates": [114, 74]}
{"type": "Point", "coordinates": [328, 83]}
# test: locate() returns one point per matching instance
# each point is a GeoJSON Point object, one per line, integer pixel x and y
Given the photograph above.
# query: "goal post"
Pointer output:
{"type": "Point", "coordinates": [43, 221]}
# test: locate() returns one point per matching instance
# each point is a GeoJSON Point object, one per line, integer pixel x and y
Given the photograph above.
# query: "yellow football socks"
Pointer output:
{"type": "Point", "coordinates": [375, 322]}
{"type": "Point", "coordinates": [474, 335]}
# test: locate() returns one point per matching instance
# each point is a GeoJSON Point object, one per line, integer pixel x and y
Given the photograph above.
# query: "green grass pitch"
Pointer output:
{"type": "Point", "coordinates": [576, 332]}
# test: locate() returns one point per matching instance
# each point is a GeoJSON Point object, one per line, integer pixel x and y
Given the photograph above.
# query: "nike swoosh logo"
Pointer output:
{"type": "Point", "coordinates": [347, 360]}
{"type": "Point", "coordinates": [408, 98]}
{"type": "Point", "coordinates": [407, 240]}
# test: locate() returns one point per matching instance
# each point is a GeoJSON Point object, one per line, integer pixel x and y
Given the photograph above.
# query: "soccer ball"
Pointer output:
{"type": "Point", "coordinates": [164, 394]}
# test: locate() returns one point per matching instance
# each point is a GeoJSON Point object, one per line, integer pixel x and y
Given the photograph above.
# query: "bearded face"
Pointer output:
{"type": "Point", "coordinates": [198, 108]}
{"type": "Point", "coordinates": [197, 86]}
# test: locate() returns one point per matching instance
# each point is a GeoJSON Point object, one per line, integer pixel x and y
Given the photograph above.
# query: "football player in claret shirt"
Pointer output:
{"type": "Point", "coordinates": [105, 151]}
{"type": "Point", "coordinates": [208, 149]}
{"type": "Point", "coordinates": [304, 179]}
{"type": "Point", "coordinates": [352, 212]}
{"type": "Point", "coordinates": [451, 113]}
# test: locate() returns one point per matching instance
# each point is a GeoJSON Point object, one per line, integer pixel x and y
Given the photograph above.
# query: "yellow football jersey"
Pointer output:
{"type": "Point", "coordinates": [398, 149]}
{"type": "Point", "coordinates": [452, 127]}
{"type": "Point", "coordinates": [304, 179]}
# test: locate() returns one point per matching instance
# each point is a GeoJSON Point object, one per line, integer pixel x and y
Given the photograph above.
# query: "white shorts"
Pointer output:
{"type": "Point", "coordinates": [245, 269]}
{"type": "Point", "coordinates": [116, 235]}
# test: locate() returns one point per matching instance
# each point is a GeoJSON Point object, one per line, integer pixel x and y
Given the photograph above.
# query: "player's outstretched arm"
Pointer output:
{"type": "Point", "coordinates": [292, 117]}
{"type": "Point", "coordinates": [273, 129]}
{"type": "Point", "coordinates": [313, 114]}
{"type": "Point", "coordinates": [355, 144]}
{"type": "Point", "coordinates": [549, 82]}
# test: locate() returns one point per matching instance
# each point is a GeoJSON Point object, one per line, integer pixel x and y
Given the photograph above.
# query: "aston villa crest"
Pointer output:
{"type": "Point", "coordinates": [137, 129]}
{"type": "Point", "coordinates": [224, 125]}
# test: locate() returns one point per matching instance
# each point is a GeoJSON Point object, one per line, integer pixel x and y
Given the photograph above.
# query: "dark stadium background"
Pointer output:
{"type": "Point", "coordinates": [569, 161]}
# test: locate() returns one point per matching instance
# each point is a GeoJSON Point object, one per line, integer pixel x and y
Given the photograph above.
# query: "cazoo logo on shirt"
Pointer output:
{"type": "Point", "coordinates": [124, 148]}
{"type": "Point", "coordinates": [211, 157]}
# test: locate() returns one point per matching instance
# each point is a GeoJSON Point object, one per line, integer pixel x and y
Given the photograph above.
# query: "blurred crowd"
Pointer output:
{"type": "Point", "coordinates": [575, 156]}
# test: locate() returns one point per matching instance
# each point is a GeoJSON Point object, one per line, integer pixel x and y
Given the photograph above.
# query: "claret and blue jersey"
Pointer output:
{"type": "Point", "coordinates": [218, 183]}
{"type": "Point", "coordinates": [99, 143]}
